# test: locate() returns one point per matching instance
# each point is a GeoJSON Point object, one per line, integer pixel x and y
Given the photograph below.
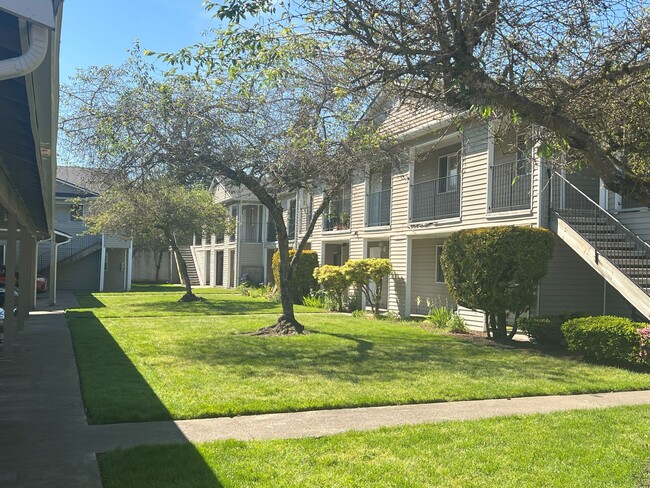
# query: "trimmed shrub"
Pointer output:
{"type": "Point", "coordinates": [497, 269]}
{"type": "Point", "coordinates": [335, 281]}
{"type": "Point", "coordinates": [546, 330]}
{"type": "Point", "coordinates": [363, 272]}
{"type": "Point", "coordinates": [302, 278]}
{"type": "Point", "coordinates": [605, 339]}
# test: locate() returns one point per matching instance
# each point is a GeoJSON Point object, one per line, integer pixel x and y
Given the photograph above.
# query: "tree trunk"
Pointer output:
{"type": "Point", "coordinates": [189, 296]}
{"type": "Point", "coordinates": [287, 323]}
{"type": "Point", "coordinates": [158, 262]}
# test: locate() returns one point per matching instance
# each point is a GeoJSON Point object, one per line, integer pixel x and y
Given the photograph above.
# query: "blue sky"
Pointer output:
{"type": "Point", "coordinates": [98, 32]}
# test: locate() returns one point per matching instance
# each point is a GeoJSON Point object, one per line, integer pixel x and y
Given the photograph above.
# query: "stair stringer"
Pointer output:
{"type": "Point", "coordinates": [603, 266]}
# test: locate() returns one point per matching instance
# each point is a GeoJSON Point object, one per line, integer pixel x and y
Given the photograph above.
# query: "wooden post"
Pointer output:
{"type": "Point", "coordinates": [10, 286]}
{"type": "Point", "coordinates": [25, 277]}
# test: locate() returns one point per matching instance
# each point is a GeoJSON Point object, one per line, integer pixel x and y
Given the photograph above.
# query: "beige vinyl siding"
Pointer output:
{"type": "Point", "coordinates": [570, 285]}
{"type": "Point", "coordinates": [637, 221]}
{"type": "Point", "coordinates": [408, 115]}
{"type": "Point", "coordinates": [199, 262]}
{"type": "Point", "coordinates": [423, 277]}
{"type": "Point", "coordinates": [615, 304]}
{"type": "Point", "coordinates": [358, 205]}
{"type": "Point", "coordinates": [473, 319]}
{"type": "Point", "coordinates": [220, 193]}
{"type": "Point", "coordinates": [356, 248]}
{"type": "Point", "coordinates": [399, 199]}
{"type": "Point", "coordinates": [80, 275]}
{"type": "Point", "coordinates": [316, 237]}
{"type": "Point", "coordinates": [397, 284]}
{"type": "Point", "coordinates": [116, 242]}
{"type": "Point", "coordinates": [587, 182]}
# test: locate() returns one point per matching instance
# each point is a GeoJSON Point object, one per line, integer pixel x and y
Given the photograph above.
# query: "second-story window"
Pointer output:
{"type": "Point", "coordinates": [378, 198]}
{"type": "Point", "coordinates": [337, 215]}
{"type": "Point", "coordinates": [291, 217]}
{"type": "Point", "coordinates": [448, 173]}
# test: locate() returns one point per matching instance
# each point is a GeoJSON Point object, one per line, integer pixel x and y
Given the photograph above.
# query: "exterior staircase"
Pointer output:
{"type": "Point", "coordinates": [78, 248]}
{"type": "Point", "coordinates": [611, 249]}
{"type": "Point", "coordinates": [186, 252]}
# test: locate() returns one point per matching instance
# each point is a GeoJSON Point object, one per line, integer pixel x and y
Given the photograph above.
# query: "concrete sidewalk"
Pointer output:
{"type": "Point", "coordinates": [45, 440]}
{"type": "Point", "coordinates": [317, 423]}
{"type": "Point", "coordinates": [43, 428]}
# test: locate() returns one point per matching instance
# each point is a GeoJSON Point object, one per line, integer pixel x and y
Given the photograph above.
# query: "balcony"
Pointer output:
{"type": "Point", "coordinates": [338, 216]}
{"type": "Point", "coordinates": [378, 208]}
{"type": "Point", "coordinates": [511, 186]}
{"type": "Point", "coordinates": [250, 232]}
{"type": "Point", "coordinates": [435, 199]}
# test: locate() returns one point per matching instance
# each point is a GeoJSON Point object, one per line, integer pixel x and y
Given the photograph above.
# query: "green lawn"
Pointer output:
{"type": "Point", "coordinates": [603, 448]}
{"type": "Point", "coordinates": [162, 301]}
{"type": "Point", "coordinates": [142, 366]}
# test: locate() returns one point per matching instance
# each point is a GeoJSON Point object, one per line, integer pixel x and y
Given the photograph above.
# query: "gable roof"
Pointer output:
{"type": "Point", "coordinates": [82, 179]}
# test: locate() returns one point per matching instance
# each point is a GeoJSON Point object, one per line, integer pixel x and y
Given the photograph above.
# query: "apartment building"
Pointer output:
{"type": "Point", "coordinates": [97, 262]}
{"type": "Point", "coordinates": [459, 179]}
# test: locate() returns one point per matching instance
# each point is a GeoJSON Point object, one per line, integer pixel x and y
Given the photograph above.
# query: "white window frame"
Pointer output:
{"type": "Point", "coordinates": [448, 174]}
{"type": "Point", "coordinates": [438, 267]}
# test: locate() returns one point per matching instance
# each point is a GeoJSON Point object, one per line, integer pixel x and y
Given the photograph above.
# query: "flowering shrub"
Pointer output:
{"type": "Point", "coordinates": [645, 344]}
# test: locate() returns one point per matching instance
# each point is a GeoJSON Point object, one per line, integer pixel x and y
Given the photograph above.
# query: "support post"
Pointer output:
{"type": "Point", "coordinates": [25, 276]}
{"type": "Point", "coordinates": [53, 268]}
{"type": "Point", "coordinates": [10, 285]}
{"type": "Point", "coordinates": [102, 265]}
{"type": "Point", "coordinates": [34, 268]}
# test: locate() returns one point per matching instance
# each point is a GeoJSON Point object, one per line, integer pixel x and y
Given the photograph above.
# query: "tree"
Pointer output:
{"type": "Point", "coordinates": [158, 210]}
{"type": "Point", "coordinates": [302, 132]}
{"type": "Point", "coordinates": [364, 272]}
{"type": "Point", "coordinates": [497, 270]}
{"type": "Point", "coordinates": [580, 70]}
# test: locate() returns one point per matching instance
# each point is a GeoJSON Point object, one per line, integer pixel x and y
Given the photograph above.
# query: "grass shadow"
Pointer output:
{"type": "Point", "coordinates": [88, 300]}
{"type": "Point", "coordinates": [96, 348]}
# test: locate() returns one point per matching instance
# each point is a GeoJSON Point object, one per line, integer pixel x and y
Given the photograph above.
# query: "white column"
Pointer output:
{"type": "Point", "coordinates": [102, 261]}
{"type": "Point", "coordinates": [129, 266]}
{"type": "Point", "coordinates": [53, 268]}
{"type": "Point", "coordinates": [10, 286]}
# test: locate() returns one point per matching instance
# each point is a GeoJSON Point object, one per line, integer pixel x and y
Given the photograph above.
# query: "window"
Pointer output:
{"type": "Point", "coordinates": [448, 173]}
{"type": "Point", "coordinates": [291, 224]}
{"type": "Point", "coordinates": [523, 155]}
{"type": "Point", "coordinates": [440, 277]}
{"type": "Point", "coordinates": [76, 212]}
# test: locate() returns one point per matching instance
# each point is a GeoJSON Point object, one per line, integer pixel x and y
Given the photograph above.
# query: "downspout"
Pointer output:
{"type": "Point", "coordinates": [30, 59]}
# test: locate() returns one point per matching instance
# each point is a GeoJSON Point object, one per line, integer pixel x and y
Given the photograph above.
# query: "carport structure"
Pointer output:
{"type": "Point", "coordinates": [29, 85]}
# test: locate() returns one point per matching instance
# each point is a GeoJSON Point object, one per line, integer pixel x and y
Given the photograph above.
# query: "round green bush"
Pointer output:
{"type": "Point", "coordinates": [604, 339]}
{"type": "Point", "coordinates": [546, 330]}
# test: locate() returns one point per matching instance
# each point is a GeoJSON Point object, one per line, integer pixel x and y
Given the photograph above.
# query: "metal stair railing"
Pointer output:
{"type": "Point", "coordinates": [602, 230]}
{"type": "Point", "coordinates": [69, 250]}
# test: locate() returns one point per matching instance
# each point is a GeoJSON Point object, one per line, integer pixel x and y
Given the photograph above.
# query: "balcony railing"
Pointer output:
{"type": "Point", "coordinates": [378, 208]}
{"type": "Point", "coordinates": [250, 232]}
{"type": "Point", "coordinates": [511, 185]}
{"type": "Point", "coordinates": [435, 199]}
{"type": "Point", "coordinates": [338, 217]}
